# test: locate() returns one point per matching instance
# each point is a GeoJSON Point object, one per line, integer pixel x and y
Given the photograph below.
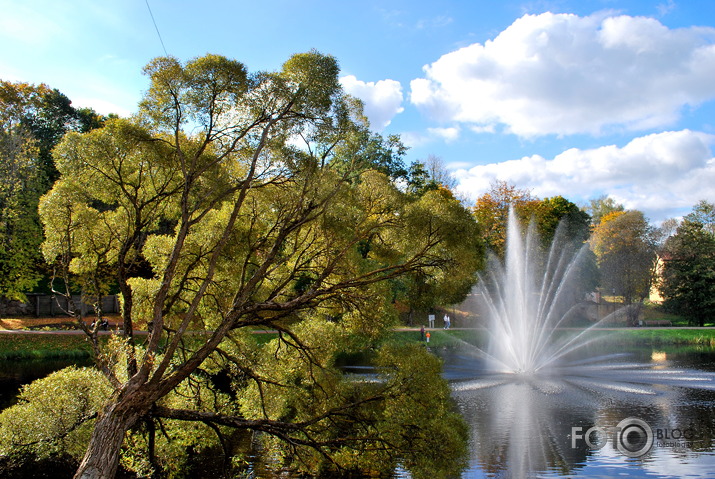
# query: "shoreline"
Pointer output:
{"type": "Point", "coordinates": [59, 344]}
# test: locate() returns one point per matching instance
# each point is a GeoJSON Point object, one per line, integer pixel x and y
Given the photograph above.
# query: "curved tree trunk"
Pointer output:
{"type": "Point", "coordinates": [102, 457]}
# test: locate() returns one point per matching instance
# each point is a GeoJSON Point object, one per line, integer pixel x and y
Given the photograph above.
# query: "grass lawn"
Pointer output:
{"type": "Point", "coordinates": [667, 336]}
{"type": "Point", "coordinates": [49, 346]}
{"type": "Point", "coordinates": [43, 346]}
{"type": "Point", "coordinates": [627, 336]}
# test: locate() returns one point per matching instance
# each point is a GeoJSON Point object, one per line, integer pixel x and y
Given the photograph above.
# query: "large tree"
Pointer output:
{"type": "Point", "coordinates": [33, 119]}
{"type": "Point", "coordinates": [44, 115]}
{"type": "Point", "coordinates": [562, 224]}
{"type": "Point", "coordinates": [232, 201]}
{"type": "Point", "coordinates": [422, 290]}
{"type": "Point", "coordinates": [557, 210]}
{"type": "Point", "coordinates": [688, 274]}
{"type": "Point", "coordinates": [704, 214]}
{"type": "Point", "coordinates": [625, 245]}
{"type": "Point", "coordinates": [22, 182]}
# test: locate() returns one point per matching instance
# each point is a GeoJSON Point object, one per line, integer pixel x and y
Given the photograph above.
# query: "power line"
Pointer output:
{"type": "Point", "coordinates": [157, 28]}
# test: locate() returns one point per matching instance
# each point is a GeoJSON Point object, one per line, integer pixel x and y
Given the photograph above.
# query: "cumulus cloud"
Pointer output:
{"type": "Point", "coordinates": [415, 139]}
{"type": "Point", "coordinates": [565, 74]}
{"type": "Point", "coordinates": [447, 134]}
{"type": "Point", "coordinates": [382, 99]}
{"type": "Point", "coordinates": [662, 174]}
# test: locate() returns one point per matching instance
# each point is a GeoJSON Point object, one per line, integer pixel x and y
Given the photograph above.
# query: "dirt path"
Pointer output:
{"type": "Point", "coordinates": [51, 323]}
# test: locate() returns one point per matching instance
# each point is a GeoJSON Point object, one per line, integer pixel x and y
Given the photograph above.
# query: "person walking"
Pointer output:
{"type": "Point", "coordinates": [447, 321]}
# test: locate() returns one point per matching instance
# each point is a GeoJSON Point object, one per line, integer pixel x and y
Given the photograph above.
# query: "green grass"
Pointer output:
{"type": "Point", "coordinates": [636, 337]}
{"type": "Point", "coordinates": [43, 346]}
{"type": "Point", "coordinates": [61, 346]}
{"type": "Point", "coordinates": [438, 338]}
{"type": "Point", "coordinates": [667, 336]}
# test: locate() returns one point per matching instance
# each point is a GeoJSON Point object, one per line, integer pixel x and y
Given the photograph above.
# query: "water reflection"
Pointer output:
{"type": "Point", "coordinates": [14, 374]}
{"type": "Point", "coordinates": [521, 426]}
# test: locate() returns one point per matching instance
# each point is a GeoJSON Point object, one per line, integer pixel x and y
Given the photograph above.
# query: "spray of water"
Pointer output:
{"type": "Point", "coordinates": [528, 298]}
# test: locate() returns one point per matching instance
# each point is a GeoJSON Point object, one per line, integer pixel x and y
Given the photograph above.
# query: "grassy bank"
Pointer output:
{"type": "Point", "coordinates": [666, 336]}
{"type": "Point", "coordinates": [440, 338]}
{"type": "Point", "coordinates": [43, 346]}
{"type": "Point", "coordinates": [63, 346]}
{"type": "Point", "coordinates": [626, 337]}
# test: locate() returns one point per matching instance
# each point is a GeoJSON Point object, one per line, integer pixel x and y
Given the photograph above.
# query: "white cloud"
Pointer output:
{"type": "Point", "coordinates": [435, 22]}
{"type": "Point", "coordinates": [564, 74]}
{"type": "Point", "coordinates": [661, 174]}
{"type": "Point", "coordinates": [483, 129]}
{"type": "Point", "coordinates": [665, 8]}
{"type": "Point", "coordinates": [382, 99]}
{"type": "Point", "coordinates": [414, 139]}
{"type": "Point", "coordinates": [447, 134]}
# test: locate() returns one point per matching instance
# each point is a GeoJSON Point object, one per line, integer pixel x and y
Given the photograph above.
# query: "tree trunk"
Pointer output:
{"type": "Point", "coordinates": [102, 457]}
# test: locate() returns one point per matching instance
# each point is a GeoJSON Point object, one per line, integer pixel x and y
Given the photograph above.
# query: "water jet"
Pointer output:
{"type": "Point", "coordinates": [529, 298]}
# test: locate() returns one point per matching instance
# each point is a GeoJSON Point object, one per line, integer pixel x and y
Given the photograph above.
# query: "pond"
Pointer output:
{"type": "Point", "coordinates": [648, 413]}
{"type": "Point", "coordinates": [13, 374]}
{"type": "Point", "coordinates": [569, 424]}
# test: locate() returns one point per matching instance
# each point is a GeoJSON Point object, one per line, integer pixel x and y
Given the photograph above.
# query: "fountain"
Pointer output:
{"type": "Point", "coordinates": [539, 383]}
{"type": "Point", "coordinates": [529, 298]}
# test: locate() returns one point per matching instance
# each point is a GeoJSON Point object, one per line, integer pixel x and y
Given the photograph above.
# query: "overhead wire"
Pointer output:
{"type": "Point", "coordinates": [156, 27]}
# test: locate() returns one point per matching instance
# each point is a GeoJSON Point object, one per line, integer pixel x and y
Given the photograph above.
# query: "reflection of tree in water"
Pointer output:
{"type": "Point", "coordinates": [521, 425]}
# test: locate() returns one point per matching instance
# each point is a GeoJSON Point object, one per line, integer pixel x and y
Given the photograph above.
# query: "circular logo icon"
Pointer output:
{"type": "Point", "coordinates": [635, 437]}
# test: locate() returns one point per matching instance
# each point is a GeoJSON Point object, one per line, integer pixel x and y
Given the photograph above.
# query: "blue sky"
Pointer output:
{"type": "Point", "coordinates": [572, 97]}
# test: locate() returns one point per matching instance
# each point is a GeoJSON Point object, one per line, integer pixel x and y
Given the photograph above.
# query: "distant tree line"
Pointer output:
{"type": "Point", "coordinates": [629, 256]}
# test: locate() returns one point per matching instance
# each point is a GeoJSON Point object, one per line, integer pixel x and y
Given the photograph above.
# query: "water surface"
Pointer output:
{"type": "Point", "coordinates": [527, 426]}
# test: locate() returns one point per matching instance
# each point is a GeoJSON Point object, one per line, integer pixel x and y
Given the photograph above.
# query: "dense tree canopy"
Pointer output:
{"type": "Point", "coordinates": [424, 290]}
{"type": "Point", "coordinates": [236, 200]}
{"type": "Point", "coordinates": [491, 211]}
{"type": "Point", "coordinates": [33, 118]}
{"type": "Point", "coordinates": [704, 214]}
{"type": "Point", "coordinates": [20, 189]}
{"type": "Point", "coordinates": [551, 212]}
{"type": "Point", "coordinates": [688, 274]}
{"type": "Point", "coordinates": [625, 246]}
{"type": "Point", "coordinates": [601, 206]}
{"type": "Point", "coordinates": [43, 114]}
